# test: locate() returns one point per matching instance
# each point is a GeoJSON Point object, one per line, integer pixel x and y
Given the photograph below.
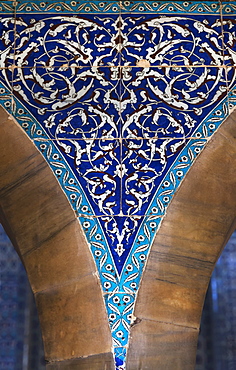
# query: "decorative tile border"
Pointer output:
{"type": "Point", "coordinates": [228, 7]}
{"type": "Point", "coordinates": [170, 7]}
{"type": "Point", "coordinates": [119, 286]}
{"type": "Point", "coordinates": [23, 6]}
{"type": "Point", "coordinates": [68, 6]}
{"type": "Point", "coordinates": [126, 285]}
{"type": "Point", "coordinates": [118, 6]}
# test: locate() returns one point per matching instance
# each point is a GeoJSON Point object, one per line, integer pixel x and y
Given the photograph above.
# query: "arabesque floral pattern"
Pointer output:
{"type": "Point", "coordinates": [120, 104]}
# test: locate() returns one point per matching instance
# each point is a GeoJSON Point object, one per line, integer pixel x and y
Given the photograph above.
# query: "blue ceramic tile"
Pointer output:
{"type": "Point", "coordinates": [62, 171]}
{"type": "Point", "coordinates": [137, 258]}
{"type": "Point", "coordinates": [82, 164]}
{"type": "Point", "coordinates": [227, 8]}
{"type": "Point", "coordinates": [119, 132]}
{"type": "Point", "coordinates": [99, 247]}
{"type": "Point", "coordinates": [120, 357]}
{"type": "Point", "coordinates": [73, 39]}
{"type": "Point", "coordinates": [86, 7]}
{"type": "Point", "coordinates": [75, 103]}
{"type": "Point", "coordinates": [6, 77]}
{"type": "Point", "coordinates": [174, 176]}
{"type": "Point", "coordinates": [170, 102]}
{"type": "Point", "coordinates": [229, 28]}
{"type": "Point", "coordinates": [97, 172]}
{"type": "Point", "coordinates": [146, 163]}
{"type": "Point", "coordinates": [170, 7]}
{"type": "Point", "coordinates": [6, 97]}
{"type": "Point", "coordinates": [7, 27]}
{"type": "Point", "coordinates": [119, 309]}
{"type": "Point", "coordinates": [232, 100]}
{"type": "Point", "coordinates": [120, 233]}
{"type": "Point", "coordinates": [185, 40]}
{"type": "Point", "coordinates": [7, 40]}
{"type": "Point", "coordinates": [7, 7]}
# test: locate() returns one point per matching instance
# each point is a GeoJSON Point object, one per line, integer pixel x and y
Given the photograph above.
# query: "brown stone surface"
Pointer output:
{"type": "Point", "coordinates": [161, 346]}
{"type": "Point", "coordinates": [66, 256]}
{"type": "Point", "coordinates": [74, 326]}
{"type": "Point", "coordinates": [43, 228]}
{"type": "Point", "coordinates": [197, 225]}
{"type": "Point", "coordinates": [104, 361]}
{"type": "Point", "coordinates": [28, 187]}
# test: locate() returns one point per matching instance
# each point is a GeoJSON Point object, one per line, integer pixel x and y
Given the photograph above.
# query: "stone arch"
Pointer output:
{"type": "Point", "coordinates": [43, 228]}
{"type": "Point", "coordinates": [48, 238]}
{"type": "Point", "coordinates": [197, 225]}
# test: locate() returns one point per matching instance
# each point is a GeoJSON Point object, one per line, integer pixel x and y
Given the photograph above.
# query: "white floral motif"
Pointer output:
{"type": "Point", "coordinates": [119, 126]}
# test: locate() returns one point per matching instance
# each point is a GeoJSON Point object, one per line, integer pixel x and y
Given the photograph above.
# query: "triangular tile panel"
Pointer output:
{"type": "Point", "coordinates": [120, 98]}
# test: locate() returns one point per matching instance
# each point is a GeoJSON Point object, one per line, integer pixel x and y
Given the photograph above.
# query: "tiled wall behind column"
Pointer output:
{"type": "Point", "coordinates": [20, 336]}
{"type": "Point", "coordinates": [120, 97]}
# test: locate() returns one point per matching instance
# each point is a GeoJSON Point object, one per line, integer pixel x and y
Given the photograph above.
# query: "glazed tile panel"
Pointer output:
{"type": "Point", "coordinates": [120, 99]}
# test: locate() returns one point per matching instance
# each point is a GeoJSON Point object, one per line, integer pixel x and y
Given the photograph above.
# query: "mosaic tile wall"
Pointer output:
{"type": "Point", "coordinates": [12, 297]}
{"type": "Point", "coordinates": [21, 345]}
{"type": "Point", "coordinates": [224, 309]}
{"type": "Point", "coordinates": [217, 339]}
{"type": "Point", "coordinates": [120, 98]}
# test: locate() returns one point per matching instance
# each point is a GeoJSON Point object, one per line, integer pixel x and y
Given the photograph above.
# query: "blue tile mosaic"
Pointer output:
{"type": "Point", "coordinates": [68, 39]}
{"type": "Point", "coordinates": [85, 7]}
{"type": "Point", "coordinates": [76, 103]}
{"type": "Point", "coordinates": [8, 7]}
{"type": "Point", "coordinates": [228, 24]}
{"type": "Point", "coordinates": [120, 98]}
{"type": "Point", "coordinates": [186, 41]}
{"type": "Point", "coordinates": [169, 102]}
{"type": "Point", "coordinates": [170, 7]}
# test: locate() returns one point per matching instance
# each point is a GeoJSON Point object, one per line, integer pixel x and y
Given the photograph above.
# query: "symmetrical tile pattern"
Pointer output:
{"type": "Point", "coordinates": [120, 98]}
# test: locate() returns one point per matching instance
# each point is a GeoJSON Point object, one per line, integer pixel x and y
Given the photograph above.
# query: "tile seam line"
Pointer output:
{"type": "Point", "coordinates": [124, 11]}
{"type": "Point", "coordinates": [122, 138]}
{"type": "Point", "coordinates": [112, 292]}
{"type": "Point", "coordinates": [118, 215]}
{"type": "Point", "coordinates": [13, 66]}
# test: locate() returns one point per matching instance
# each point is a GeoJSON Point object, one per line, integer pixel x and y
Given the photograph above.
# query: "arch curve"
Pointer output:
{"type": "Point", "coordinates": [197, 225]}
{"type": "Point", "coordinates": [48, 238]}
{"type": "Point", "coordinates": [44, 230]}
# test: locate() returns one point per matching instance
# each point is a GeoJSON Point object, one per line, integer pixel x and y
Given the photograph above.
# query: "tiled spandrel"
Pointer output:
{"type": "Point", "coordinates": [170, 102]}
{"type": "Point", "coordinates": [69, 101]}
{"type": "Point", "coordinates": [120, 98]}
{"type": "Point", "coordinates": [190, 37]}
{"type": "Point", "coordinates": [88, 171]}
{"type": "Point", "coordinates": [82, 33]}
